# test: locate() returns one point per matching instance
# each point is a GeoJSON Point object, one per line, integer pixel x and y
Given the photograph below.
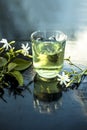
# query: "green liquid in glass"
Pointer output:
{"type": "Point", "coordinates": [48, 58]}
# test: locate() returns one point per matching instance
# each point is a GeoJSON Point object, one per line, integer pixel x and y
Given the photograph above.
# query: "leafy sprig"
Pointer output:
{"type": "Point", "coordinates": [10, 63]}
{"type": "Point", "coordinates": [74, 76]}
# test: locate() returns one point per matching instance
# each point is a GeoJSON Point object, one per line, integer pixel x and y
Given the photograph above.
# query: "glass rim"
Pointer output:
{"type": "Point", "coordinates": [49, 31]}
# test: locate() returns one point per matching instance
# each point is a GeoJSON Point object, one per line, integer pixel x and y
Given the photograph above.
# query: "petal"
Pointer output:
{"type": "Point", "coordinates": [26, 44]}
{"type": "Point", "coordinates": [22, 46]}
{"type": "Point", "coordinates": [61, 82]}
{"type": "Point", "coordinates": [63, 73]}
{"type": "Point", "coordinates": [59, 79]}
{"type": "Point", "coordinates": [28, 48]}
{"type": "Point", "coordinates": [59, 75]}
{"type": "Point", "coordinates": [64, 82]}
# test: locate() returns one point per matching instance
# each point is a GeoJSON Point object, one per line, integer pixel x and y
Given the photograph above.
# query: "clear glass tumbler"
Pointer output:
{"type": "Point", "coordinates": [48, 52]}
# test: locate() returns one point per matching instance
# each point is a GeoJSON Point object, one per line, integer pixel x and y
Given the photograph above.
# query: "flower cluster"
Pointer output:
{"type": "Point", "coordinates": [6, 44]}
{"type": "Point", "coordinates": [24, 48]}
{"type": "Point", "coordinates": [63, 79]}
{"type": "Point", "coordinates": [73, 77]}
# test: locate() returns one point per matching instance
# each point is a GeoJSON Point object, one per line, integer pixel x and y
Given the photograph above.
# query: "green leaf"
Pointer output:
{"type": "Point", "coordinates": [11, 66]}
{"type": "Point", "coordinates": [18, 77]}
{"type": "Point", "coordinates": [3, 61]}
{"type": "Point", "coordinates": [22, 64]}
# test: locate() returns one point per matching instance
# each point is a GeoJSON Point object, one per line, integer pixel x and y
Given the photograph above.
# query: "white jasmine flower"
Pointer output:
{"type": "Point", "coordinates": [25, 49]}
{"type": "Point", "coordinates": [6, 44]}
{"type": "Point", "coordinates": [64, 79]}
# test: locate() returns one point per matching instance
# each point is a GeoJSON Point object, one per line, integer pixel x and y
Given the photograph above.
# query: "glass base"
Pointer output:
{"type": "Point", "coordinates": [47, 73]}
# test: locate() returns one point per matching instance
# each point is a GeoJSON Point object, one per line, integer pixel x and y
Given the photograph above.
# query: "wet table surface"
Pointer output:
{"type": "Point", "coordinates": [67, 111]}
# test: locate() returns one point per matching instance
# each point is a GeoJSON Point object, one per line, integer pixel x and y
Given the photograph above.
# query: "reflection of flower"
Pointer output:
{"type": "Point", "coordinates": [25, 49]}
{"type": "Point", "coordinates": [6, 44]}
{"type": "Point", "coordinates": [63, 78]}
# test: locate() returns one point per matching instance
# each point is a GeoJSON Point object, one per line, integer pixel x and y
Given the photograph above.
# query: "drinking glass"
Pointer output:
{"type": "Point", "coordinates": [48, 52]}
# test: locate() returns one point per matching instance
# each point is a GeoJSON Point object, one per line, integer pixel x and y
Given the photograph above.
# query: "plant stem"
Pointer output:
{"type": "Point", "coordinates": [69, 61]}
{"type": "Point", "coordinates": [29, 56]}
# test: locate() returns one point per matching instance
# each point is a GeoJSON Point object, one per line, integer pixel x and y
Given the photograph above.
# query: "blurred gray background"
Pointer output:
{"type": "Point", "coordinates": [19, 18]}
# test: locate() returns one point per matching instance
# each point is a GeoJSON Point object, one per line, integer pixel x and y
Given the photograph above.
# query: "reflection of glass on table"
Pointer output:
{"type": "Point", "coordinates": [47, 95]}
